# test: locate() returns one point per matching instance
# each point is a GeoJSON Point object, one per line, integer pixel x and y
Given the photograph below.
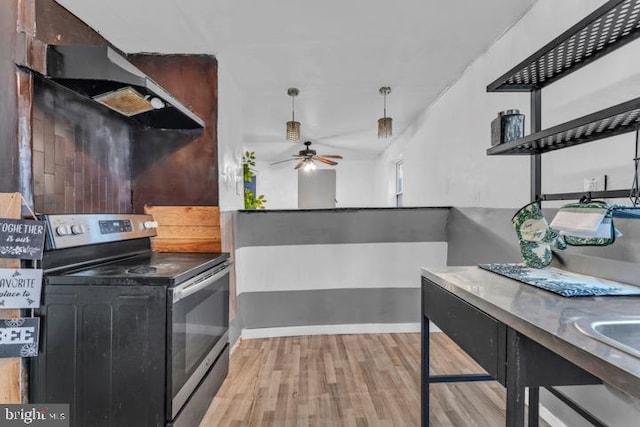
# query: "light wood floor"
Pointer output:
{"type": "Point", "coordinates": [349, 380]}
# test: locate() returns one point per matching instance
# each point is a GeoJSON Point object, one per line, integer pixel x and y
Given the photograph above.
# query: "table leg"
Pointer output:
{"type": "Point", "coordinates": [534, 399]}
{"type": "Point", "coordinates": [515, 388]}
{"type": "Point", "coordinates": [424, 372]}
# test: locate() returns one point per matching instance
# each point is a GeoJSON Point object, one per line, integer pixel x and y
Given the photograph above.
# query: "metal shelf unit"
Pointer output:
{"type": "Point", "coordinates": [611, 26]}
{"type": "Point", "coordinates": [621, 118]}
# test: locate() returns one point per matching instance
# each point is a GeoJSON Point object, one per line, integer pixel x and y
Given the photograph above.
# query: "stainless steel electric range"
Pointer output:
{"type": "Point", "coordinates": [130, 337]}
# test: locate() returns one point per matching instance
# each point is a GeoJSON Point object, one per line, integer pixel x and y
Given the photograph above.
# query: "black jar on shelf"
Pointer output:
{"type": "Point", "coordinates": [509, 125]}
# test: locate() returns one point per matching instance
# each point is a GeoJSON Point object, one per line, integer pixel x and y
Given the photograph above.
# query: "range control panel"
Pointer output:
{"type": "Point", "coordinates": [65, 231]}
{"type": "Point", "coordinates": [115, 226]}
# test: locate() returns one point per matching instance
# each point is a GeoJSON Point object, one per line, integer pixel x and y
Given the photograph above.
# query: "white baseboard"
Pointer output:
{"type": "Point", "coordinates": [363, 328]}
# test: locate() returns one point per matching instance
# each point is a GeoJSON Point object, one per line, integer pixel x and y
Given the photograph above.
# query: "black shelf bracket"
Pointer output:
{"type": "Point", "coordinates": [589, 195]}
{"type": "Point", "coordinates": [536, 159]}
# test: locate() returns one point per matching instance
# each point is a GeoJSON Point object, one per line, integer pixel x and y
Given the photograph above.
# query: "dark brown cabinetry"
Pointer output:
{"type": "Point", "coordinates": [68, 154]}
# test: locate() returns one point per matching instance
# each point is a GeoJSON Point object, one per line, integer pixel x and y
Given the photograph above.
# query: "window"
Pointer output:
{"type": "Point", "coordinates": [399, 182]}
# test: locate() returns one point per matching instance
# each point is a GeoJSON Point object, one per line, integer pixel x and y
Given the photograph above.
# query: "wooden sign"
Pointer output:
{"type": "Point", "coordinates": [21, 238]}
{"type": "Point", "coordinates": [20, 288]}
{"type": "Point", "coordinates": [19, 337]}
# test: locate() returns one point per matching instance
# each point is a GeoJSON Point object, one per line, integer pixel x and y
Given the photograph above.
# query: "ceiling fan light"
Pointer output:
{"type": "Point", "coordinates": [293, 131]}
{"type": "Point", "coordinates": [385, 127]}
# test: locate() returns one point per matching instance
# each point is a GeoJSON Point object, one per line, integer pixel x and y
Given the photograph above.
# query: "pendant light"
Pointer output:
{"type": "Point", "coordinates": [385, 123]}
{"type": "Point", "coordinates": [293, 127]}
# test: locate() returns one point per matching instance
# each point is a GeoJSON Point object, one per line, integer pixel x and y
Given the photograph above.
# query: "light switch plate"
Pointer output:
{"type": "Point", "coordinates": [596, 183]}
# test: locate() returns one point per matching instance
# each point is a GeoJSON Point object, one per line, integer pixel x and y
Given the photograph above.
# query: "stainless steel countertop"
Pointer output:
{"type": "Point", "coordinates": [549, 319]}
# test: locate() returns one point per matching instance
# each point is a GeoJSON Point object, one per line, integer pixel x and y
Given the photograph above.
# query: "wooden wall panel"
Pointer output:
{"type": "Point", "coordinates": [9, 178]}
{"type": "Point", "coordinates": [186, 228]}
{"type": "Point", "coordinates": [26, 17]}
{"type": "Point", "coordinates": [11, 390]}
{"type": "Point", "coordinates": [24, 82]}
{"type": "Point", "coordinates": [81, 154]}
{"type": "Point", "coordinates": [29, 52]}
{"type": "Point", "coordinates": [56, 25]}
{"type": "Point", "coordinates": [179, 167]}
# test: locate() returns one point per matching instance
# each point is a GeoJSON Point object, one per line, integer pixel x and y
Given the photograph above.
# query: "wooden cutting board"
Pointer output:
{"type": "Point", "coordinates": [186, 228]}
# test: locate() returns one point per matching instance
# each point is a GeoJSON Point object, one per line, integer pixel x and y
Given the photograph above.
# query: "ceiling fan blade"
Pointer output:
{"type": "Point", "coordinates": [323, 160]}
{"type": "Point", "coordinates": [281, 161]}
{"type": "Point", "coordinates": [299, 165]}
{"type": "Point", "coordinates": [296, 157]}
{"type": "Point", "coordinates": [331, 156]}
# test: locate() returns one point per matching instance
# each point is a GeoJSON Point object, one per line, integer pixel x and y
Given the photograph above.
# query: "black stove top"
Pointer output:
{"type": "Point", "coordinates": [115, 249]}
{"type": "Point", "coordinates": [154, 268]}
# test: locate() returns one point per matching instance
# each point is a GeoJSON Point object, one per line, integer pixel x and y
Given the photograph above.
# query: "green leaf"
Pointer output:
{"type": "Point", "coordinates": [250, 199]}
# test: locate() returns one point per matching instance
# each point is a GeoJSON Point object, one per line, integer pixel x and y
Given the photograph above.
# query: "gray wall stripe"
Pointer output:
{"type": "Point", "coordinates": [480, 235]}
{"type": "Point", "coordinates": [255, 228]}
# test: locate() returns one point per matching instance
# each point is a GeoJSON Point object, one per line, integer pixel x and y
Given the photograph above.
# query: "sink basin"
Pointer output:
{"type": "Point", "coordinates": [621, 334]}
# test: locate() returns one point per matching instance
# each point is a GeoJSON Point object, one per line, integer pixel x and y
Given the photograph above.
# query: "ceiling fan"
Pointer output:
{"type": "Point", "coordinates": [307, 157]}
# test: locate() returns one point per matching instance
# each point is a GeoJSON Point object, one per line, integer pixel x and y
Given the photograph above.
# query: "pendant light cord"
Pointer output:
{"type": "Point", "coordinates": [293, 109]}
{"type": "Point", "coordinates": [635, 187]}
{"type": "Point", "coordinates": [385, 105]}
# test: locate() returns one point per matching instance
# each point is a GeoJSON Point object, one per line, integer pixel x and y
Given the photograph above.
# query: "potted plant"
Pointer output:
{"type": "Point", "coordinates": [251, 200]}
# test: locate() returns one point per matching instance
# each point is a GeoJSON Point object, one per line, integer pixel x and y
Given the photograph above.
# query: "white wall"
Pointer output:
{"type": "Point", "coordinates": [444, 149]}
{"type": "Point", "coordinates": [230, 190]}
{"type": "Point", "coordinates": [604, 83]}
{"type": "Point", "coordinates": [352, 266]}
{"type": "Point", "coordinates": [354, 184]}
{"type": "Point", "coordinates": [279, 184]}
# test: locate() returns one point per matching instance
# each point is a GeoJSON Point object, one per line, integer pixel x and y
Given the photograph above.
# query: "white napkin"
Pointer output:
{"type": "Point", "coordinates": [603, 231]}
{"type": "Point", "coordinates": [582, 223]}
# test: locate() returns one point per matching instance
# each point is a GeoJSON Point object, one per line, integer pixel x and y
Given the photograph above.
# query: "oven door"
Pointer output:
{"type": "Point", "coordinates": [197, 332]}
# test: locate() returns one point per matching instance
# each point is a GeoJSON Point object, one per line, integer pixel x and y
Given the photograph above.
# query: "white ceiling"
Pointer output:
{"type": "Point", "coordinates": [337, 52]}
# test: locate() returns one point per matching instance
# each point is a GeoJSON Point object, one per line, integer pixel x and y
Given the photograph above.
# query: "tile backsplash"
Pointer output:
{"type": "Point", "coordinates": [81, 154]}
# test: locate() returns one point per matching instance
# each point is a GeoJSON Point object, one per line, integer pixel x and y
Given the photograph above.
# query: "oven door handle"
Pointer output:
{"type": "Point", "coordinates": [186, 289]}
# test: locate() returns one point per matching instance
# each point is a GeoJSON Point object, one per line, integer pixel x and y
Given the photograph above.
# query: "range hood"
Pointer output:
{"type": "Point", "coordinates": [103, 75]}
